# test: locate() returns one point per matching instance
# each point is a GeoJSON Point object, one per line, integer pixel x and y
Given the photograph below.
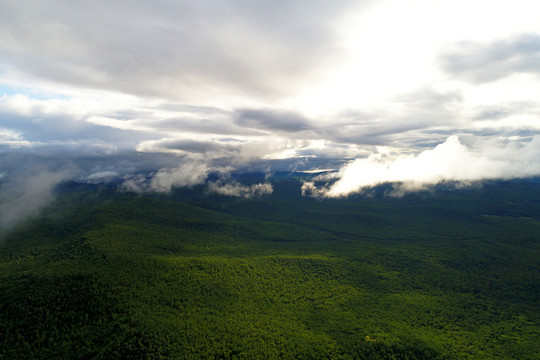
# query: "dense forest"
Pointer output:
{"type": "Point", "coordinates": [444, 274]}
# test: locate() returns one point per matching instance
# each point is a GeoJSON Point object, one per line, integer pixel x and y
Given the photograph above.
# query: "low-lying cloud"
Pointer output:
{"type": "Point", "coordinates": [191, 173]}
{"type": "Point", "coordinates": [24, 195]}
{"type": "Point", "coordinates": [238, 190]}
{"type": "Point", "coordinates": [102, 176]}
{"type": "Point", "coordinates": [188, 173]}
{"type": "Point", "coordinates": [449, 161]}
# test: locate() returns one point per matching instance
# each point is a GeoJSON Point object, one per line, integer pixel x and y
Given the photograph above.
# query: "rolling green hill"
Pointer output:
{"type": "Point", "coordinates": [103, 274]}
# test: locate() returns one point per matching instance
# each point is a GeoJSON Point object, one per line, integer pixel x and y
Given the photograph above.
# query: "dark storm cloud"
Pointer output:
{"type": "Point", "coordinates": [272, 120]}
{"type": "Point", "coordinates": [175, 49]}
{"type": "Point", "coordinates": [480, 62]}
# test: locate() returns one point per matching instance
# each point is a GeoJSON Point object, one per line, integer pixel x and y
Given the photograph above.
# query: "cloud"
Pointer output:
{"type": "Point", "coordinates": [210, 148]}
{"type": "Point", "coordinates": [33, 122]}
{"type": "Point", "coordinates": [238, 190]}
{"type": "Point", "coordinates": [25, 193]}
{"type": "Point", "coordinates": [136, 183]}
{"type": "Point", "coordinates": [482, 62]}
{"type": "Point", "coordinates": [188, 173]}
{"type": "Point", "coordinates": [12, 139]}
{"type": "Point", "coordinates": [218, 124]}
{"type": "Point", "coordinates": [102, 176]}
{"type": "Point", "coordinates": [163, 94]}
{"type": "Point", "coordinates": [240, 151]}
{"type": "Point", "coordinates": [403, 119]}
{"type": "Point", "coordinates": [449, 161]}
{"type": "Point", "coordinates": [272, 120]}
{"type": "Point", "coordinates": [181, 49]}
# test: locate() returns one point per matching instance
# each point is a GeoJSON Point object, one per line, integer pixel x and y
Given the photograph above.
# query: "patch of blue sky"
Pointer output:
{"type": "Point", "coordinates": [10, 90]}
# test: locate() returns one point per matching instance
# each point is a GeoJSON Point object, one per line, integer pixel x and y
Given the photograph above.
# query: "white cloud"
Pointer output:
{"type": "Point", "coordinates": [13, 139]}
{"type": "Point", "coordinates": [238, 190]}
{"type": "Point", "coordinates": [102, 176]}
{"type": "Point", "coordinates": [117, 124]}
{"type": "Point", "coordinates": [189, 51]}
{"type": "Point", "coordinates": [449, 161]}
{"type": "Point", "coordinates": [135, 183]}
{"type": "Point", "coordinates": [25, 194]}
{"type": "Point", "coordinates": [188, 173]}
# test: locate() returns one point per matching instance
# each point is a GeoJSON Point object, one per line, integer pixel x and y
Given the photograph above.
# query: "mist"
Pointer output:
{"type": "Point", "coordinates": [238, 190]}
{"type": "Point", "coordinates": [24, 195]}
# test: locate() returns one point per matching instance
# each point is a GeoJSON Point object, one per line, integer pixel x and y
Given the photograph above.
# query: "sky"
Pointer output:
{"type": "Point", "coordinates": [160, 94]}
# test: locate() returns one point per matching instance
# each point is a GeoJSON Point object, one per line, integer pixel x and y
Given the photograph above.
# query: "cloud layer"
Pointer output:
{"type": "Point", "coordinates": [183, 49]}
{"type": "Point", "coordinates": [26, 194]}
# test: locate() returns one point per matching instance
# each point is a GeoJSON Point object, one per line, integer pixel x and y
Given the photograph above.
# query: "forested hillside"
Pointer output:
{"type": "Point", "coordinates": [103, 274]}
